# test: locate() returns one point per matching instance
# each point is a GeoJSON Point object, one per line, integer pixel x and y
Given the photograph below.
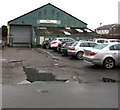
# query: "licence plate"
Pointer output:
{"type": "Point", "coordinates": [87, 54]}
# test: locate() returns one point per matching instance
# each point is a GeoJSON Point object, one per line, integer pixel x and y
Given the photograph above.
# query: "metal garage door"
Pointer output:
{"type": "Point", "coordinates": [21, 35]}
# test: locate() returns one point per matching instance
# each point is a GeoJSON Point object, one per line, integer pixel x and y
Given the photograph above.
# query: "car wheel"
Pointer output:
{"type": "Point", "coordinates": [109, 63]}
{"type": "Point", "coordinates": [80, 55]}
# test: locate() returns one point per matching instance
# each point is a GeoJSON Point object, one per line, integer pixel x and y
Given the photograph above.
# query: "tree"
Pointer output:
{"type": "Point", "coordinates": [4, 31]}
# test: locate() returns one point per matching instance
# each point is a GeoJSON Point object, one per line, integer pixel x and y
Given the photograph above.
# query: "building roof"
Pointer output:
{"type": "Point", "coordinates": [108, 26]}
{"type": "Point", "coordinates": [9, 22]}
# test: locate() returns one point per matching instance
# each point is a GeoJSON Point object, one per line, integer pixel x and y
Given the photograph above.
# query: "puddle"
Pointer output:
{"type": "Point", "coordinates": [39, 75]}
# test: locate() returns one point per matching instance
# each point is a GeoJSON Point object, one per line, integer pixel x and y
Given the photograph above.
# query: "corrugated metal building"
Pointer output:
{"type": "Point", "coordinates": [45, 22]}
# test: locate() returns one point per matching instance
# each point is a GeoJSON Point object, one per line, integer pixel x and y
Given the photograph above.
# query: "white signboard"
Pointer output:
{"type": "Point", "coordinates": [48, 21]}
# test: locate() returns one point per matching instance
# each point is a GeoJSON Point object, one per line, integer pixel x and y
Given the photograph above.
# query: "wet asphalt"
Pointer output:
{"type": "Point", "coordinates": [54, 80]}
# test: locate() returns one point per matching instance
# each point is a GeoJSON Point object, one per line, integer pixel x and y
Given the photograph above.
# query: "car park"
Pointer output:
{"type": "Point", "coordinates": [55, 42]}
{"type": "Point", "coordinates": [77, 48]}
{"type": "Point", "coordinates": [106, 55]}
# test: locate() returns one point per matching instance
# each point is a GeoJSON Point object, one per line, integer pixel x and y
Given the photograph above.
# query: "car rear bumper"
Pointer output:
{"type": "Point", "coordinates": [54, 45]}
{"type": "Point", "coordinates": [92, 60]}
{"type": "Point", "coordinates": [71, 53]}
{"type": "Point", "coordinates": [64, 51]}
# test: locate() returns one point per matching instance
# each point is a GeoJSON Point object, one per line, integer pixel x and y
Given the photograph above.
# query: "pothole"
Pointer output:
{"type": "Point", "coordinates": [109, 80]}
{"type": "Point", "coordinates": [34, 74]}
{"type": "Point", "coordinates": [24, 82]}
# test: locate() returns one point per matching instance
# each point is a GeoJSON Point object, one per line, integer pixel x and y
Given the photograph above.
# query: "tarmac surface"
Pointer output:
{"type": "Point", "coordinates": [41, 78]}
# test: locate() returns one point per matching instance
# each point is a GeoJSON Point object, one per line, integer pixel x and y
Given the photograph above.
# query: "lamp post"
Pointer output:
{"type": "Point", "coordinates": [100, 24]}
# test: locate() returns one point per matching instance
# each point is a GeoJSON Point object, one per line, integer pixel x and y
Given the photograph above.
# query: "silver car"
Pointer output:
{"type": "Point", "coordinates": [107, 55]}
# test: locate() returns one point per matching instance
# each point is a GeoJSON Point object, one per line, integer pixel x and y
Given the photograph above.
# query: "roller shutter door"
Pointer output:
{"type": "Point", "coordinates": [21, 35]}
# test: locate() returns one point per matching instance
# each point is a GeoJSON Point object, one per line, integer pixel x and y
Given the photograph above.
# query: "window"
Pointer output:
{"type": "Point", "coordinates": [100, 46]}
{"type": "Point", "coordinates": [92, 44]}
{"type": "Point", "coordinates": [115, 47]}
{"type": "Point", "coordinates": [114, 40]}
{"type": "Point", "coordinates": [60, 39]}
{"type": "Point", "coordinates": [106, 41]}
{"type": "Point", "coordinates": [74, 44]}
{"type": "Point", "coordinates": [84, 44]}
{"type": "Point", "coordinates": [100, 41]}
{"type": "Point", "coordinates": [71, 39]}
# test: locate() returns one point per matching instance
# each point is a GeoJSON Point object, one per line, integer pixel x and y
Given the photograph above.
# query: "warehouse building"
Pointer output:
{"type": "Point", "coordinates": [43, 23]}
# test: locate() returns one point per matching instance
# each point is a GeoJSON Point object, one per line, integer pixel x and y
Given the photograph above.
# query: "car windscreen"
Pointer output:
{"type": "Point", "coordinates": [100, 46]}
{"type": "Point", "coordinates": [74, 44]}
{"type": "Point", "coordinates": [69, 44]}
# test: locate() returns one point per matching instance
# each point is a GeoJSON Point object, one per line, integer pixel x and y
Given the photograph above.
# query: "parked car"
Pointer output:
{"type": "Point", "coordinates": [1, 44]}
{"type": "Point", "coordinates": [54, 43]}
{"type": "Point", "coordinates": [62, 43]}
{"type": "Point", "coordinates": [77, 48]}
{"type": "Point", "coordinates": [46, 44]}
{"type": "Point", "coordinates": [65, 47]}
{"type": "Point", "coordinates": [107, 55]}
{"type": "Point", "coordinates": [103, 40]}
{"type": "Point", "coordinates": [60, 46]}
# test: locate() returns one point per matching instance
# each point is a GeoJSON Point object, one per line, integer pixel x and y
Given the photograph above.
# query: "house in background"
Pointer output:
{"type": "Point", "coordinates": [111, 31]}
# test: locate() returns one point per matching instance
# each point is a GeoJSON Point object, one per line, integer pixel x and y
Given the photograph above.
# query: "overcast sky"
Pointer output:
{"type": "Point", "coordinates": [92, 12]}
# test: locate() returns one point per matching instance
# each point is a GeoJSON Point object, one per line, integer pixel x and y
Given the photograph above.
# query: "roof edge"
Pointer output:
{"type": "Point", "coordinates": [42, 7]}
